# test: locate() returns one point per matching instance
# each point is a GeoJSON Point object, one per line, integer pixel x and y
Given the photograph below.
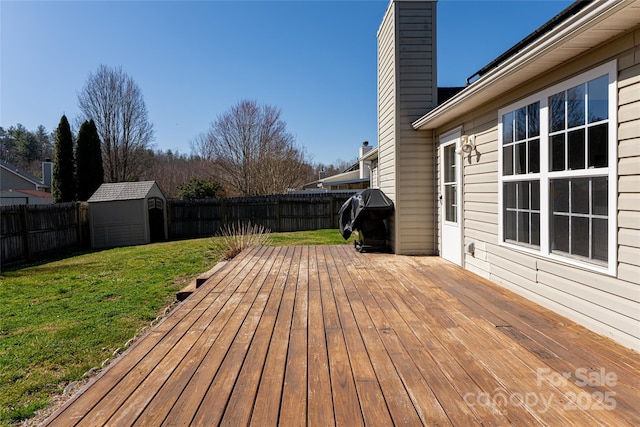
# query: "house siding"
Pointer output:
{"type": "Point", "coordinates": [608, 305]}
{"type": "Point", "coordinates": [387, 104]}
{"type": "Point", "coordinates": [406, 87]}
{"type": "Point", "coordinates": [12, 181]}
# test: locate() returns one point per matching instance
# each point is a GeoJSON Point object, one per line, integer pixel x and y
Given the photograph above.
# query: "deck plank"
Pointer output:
{"type": "Point", "coordinates": [345, 398]}
{"type": "Point", "coordinates": [374, 407]}
{"type": "Point", "coordinates": [293, 410]}
{"type": "Point", "coordinates": [320, 403]}
{"type": "Point", "coordinates": [190, 400]}
{"type": "Point", "coordinates": [267, 405]}
{"type": "Point", "coordinates": [312, 336]}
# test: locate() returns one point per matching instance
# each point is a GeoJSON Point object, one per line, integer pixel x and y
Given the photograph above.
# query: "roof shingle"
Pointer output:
{"type": "Point", "coordinates": [122, 191]}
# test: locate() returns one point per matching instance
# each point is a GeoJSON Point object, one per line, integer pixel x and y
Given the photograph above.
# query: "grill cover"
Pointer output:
{"type": "Point", "coordinates": [365, 204]}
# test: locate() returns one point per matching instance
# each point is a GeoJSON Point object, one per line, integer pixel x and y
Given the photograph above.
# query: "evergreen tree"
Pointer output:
{"type": "Point", "coordinates": [197, 189]}
{"type": "Point", "coordinates": [89, 170]}
{"type": "Point", "coordinates": [64, 188]}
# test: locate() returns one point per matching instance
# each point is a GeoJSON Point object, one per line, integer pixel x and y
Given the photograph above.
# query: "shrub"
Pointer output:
{"type": "Point", "coordinates": [233, 239]}
{"type": "Point", "coordinates": [197, 189]}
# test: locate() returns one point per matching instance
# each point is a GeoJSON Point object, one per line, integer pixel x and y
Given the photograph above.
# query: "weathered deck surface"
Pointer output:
{"type": "Point", "coordinates": [327, 336]}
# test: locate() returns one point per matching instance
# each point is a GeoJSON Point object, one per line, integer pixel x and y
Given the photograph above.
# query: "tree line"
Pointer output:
{"type": "Point", "coordinates": [246, 151]}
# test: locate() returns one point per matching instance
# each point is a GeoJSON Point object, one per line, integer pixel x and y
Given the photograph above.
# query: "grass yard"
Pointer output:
{"type": "Point", "coordinates": [61, 319]}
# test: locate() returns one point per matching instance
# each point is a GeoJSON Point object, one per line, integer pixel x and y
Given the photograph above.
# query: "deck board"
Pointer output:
{"type": "Point", "coordinates": [328, 336]}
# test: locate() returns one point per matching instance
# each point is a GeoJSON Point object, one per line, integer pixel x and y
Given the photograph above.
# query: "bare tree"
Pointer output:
{"type": "Point", "coordinates": [251, 144]}
{"type": "Point", "coordinates": [115, 103]}
{"type": "Point", "coordinates": [173, 170]}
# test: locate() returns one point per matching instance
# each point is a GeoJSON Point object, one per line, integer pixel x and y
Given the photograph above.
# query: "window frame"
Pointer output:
{"type": "Point", "coordinates": [545, 176]}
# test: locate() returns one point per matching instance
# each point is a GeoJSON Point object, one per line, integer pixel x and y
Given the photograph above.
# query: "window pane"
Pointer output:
{"type": "Point", "coordinates": [575, 106]}
{"type": "Point", "coordinates": [598, 146]}
{"type": "Point", "coordinates": [521, 124]}
{"type": "Point", "coordinates": [535, 229]}
{"type": "Point", "coordinates": [557, 152]}
{"type": "Point", "coordinates": [507, 128]}
{"type": "Point", "coordinates": [510, 225]}
{"type": "Point", "coordinates": [507, 160]}
{"type": "Point", "coordinates": [534, 119]}
{"type": "Point", "coordinates": [576, 149]}
{"type": "Point", "coordinates": [560, 233]}
{"type": "Point", "coordinates": [600, 239]}
{"type": "Point", "coordinates": [600, 198]}
{"type": "Point", "coordinates": [556, 118]}
{"type": "Point", "coordinates": [449, 163]}
{"type": "Point", "coordinates": [580, 236]}
{"type": "Point", "coordinates": [598, 99]}
{"type": "Point", "coordinates": [580, 196]}
{"type": "Point", "coordinates": [535, 195]}
{"type": "Point", "coordinates": [521, 158]}
{"type": "Point", "coordinates": [534, 156]}
{"type": "Point", "coordinates": [523, 195]}
{"type": "Point", "coordinates": [450, 203]}
{"type": "Point", "coordinates": [510, 195]}
{"type": "Point", "coordinates": [523, 227]}
{"type": "Point", "coordinates": [560, 195]}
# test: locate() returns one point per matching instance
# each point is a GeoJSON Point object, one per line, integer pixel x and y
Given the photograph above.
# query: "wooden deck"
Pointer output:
{"type": "Point", "coordinates": [327, 336]}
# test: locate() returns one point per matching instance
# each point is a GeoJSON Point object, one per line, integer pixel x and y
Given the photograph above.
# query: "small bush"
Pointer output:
{"type": "Point", "coordinates": [231, 240]}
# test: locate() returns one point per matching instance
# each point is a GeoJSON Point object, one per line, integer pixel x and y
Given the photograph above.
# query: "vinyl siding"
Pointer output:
{"type": "Point", "coordinates": [118, 223]}
{"type": "Point", "coordinates": [629, 165]}
{"type": "Point", "coordinates": [11, 181]}
{"type": "Point", "coordinates": [406, 88]}
{"type": "Point", "coordinates": [387, 104]}
{"type": "Point", "coordinates": [606, 304]}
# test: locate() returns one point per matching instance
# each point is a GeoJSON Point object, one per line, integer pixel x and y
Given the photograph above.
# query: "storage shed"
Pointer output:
{"type": "Point", "coordinates": [127, 213]}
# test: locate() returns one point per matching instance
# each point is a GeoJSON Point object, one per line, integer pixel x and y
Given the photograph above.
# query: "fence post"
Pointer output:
{"type": "Point", "coordinates": [278, 214]}
{"type": "Point", "coordinates": [332, 210]}
{"type": "Point", "coordinates": [223, 213]}
{"type": "Point", "coordinates": [78, 226]}
{"type": "Point", "coordinates": [25, 232]}
{"type": "Point", "coordinates": [169, 213]}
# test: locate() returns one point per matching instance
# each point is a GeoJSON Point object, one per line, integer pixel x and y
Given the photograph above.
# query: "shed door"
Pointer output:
{"type": "Point", "coordinates": [450, 199]}
{"type": "Point", "coordinates": [156, 219]}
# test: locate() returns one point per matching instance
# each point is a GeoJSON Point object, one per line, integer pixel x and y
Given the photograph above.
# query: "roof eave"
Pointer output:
{"type": "Point", "coordinates": [370, 155]}
{"type": "Point", "coordinates": [511, 73]}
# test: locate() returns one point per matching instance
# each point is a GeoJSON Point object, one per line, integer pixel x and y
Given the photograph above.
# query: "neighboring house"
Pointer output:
{"type": "Point", "coordinates": [25, 197]}
{"type": "Point", "coordinates": [21, 188]}
{"type": "Point", "coordinates": [356, 177]}
{"type": "Point", "coordinates": [530, 175]}
{"type": "Point", "coordinates": [127, 213]}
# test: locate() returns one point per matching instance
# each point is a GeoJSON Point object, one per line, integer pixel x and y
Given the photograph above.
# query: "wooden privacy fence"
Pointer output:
{"type": "Point", "coordinates": [30, 232]}
{"type": "Point", "coordinates": [280, 213]}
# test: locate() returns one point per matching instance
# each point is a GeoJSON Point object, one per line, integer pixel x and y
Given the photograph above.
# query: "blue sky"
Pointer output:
{"type": "Point", "coordinates": [193, 60]}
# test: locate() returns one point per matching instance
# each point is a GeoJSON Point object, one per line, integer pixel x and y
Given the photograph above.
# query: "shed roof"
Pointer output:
{"type": "Point", "coordinates": [122, 191]}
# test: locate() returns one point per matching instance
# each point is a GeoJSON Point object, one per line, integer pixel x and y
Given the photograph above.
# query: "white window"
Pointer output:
{"type": "Point", "coordinates": [557, 171]}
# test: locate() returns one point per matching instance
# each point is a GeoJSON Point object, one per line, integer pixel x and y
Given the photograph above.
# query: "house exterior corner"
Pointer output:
{"type": "Point", "coordinates": [533, 174]}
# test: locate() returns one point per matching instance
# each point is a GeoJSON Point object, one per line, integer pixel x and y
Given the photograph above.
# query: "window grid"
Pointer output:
{"type": "Point", "coordinates": [575, 126]}
{"type": "Point", "coordinates": [591, 135]}
{"type": "Point", "coordinates": [572, 217]}
{"type": "Point", "coordinates": [523, 220]}
{"type": "Point", "coordinates": [521, 140]}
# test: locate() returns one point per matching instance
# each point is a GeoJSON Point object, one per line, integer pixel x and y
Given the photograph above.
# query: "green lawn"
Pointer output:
{"type": "Point", "coordinates": [60, 319]}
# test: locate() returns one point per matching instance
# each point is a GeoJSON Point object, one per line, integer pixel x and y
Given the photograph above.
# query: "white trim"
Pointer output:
{"type": "Point", "coordinates": [447, 139]}
{"type": "Point", "coordinates": [545, 175]}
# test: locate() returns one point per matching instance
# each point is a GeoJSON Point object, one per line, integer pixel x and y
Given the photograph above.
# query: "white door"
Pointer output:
{"type": "Point", "coordinates": [451, 198]}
